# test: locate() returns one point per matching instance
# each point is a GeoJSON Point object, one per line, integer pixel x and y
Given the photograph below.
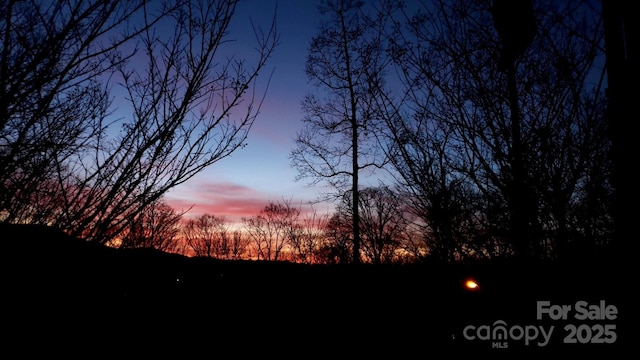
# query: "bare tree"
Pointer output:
{"type": "Point", "coordinates": [271, 229]}
{"type": "Point", "coordinates": [448, 213]}
{"type": "Point", "coordinates": [336, 248]}
{"type": "Point", "coordinates": [383, 223]}
{"type": "Point", "coordinates": [346, 61]}
{"type": "Point", "coordinates": [191, 102]}
{"type": "Point", "coordinates": [181, 246]}
{"type": "Point", "coordinates": [621, 42]}
{"type": "Point", "coordinates": [53, 57]}
{"type": "Point", "coordinates": [498, 141]}
{"type": "Point", "coordinates": [156, 227]}
{"type": "Point", "coordinates": [208, 236]}
{"type": "Point", "coordinates": [238, 246]}
{"type": "Point", "coordinates": [308, 236]}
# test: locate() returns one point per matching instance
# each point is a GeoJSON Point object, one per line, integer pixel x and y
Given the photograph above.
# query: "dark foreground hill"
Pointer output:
{"type": "Point", "coordinates": [66, 296]}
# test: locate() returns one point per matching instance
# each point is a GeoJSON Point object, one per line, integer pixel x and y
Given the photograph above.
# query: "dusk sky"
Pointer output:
{"type": "Point", "coordinates": [242, 184]}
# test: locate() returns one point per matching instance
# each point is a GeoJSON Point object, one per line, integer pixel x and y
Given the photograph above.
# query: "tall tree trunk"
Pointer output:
{"type": "Point", "coordinates": [355, 191]}
{"type": "Point", "coordinates": [519, 199]}
{"type": "Point", "coordinates": [622, 73]}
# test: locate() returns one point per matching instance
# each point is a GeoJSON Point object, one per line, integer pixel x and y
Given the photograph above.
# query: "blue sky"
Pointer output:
{"type": "Point", "coordinates": [242, 184]}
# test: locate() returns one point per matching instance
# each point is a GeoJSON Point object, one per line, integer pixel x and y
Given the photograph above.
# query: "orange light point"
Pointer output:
{"type": "Point", "coordinates": [472, 285]}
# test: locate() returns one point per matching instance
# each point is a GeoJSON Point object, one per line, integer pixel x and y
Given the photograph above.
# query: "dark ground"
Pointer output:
{"type": "Point", "coordinates": [68, 297]}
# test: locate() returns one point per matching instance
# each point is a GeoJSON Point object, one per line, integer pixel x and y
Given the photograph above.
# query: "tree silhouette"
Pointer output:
{"type": "Point", "coordinates": [382, 222]}
{"type": "Point", "coordinates": [307, 237]}
{"type": "Point", "coordinates": [338, 246]}
{"type": "Point", "coordinates": [515, 156]}
{"type": "Point", "coordinates": [272, 228]}
{"type": "Point", "coordinates": [621, 42]}
{"type": "Point", "coordinates": [208, 236]}
{"type": "Point", "coordinates": [516, 25]}
{"type": "Point", "coordinates": [186, 102]}
{"type": "Point", "coordinates": [156, 227]}
{"type": "Point", "coordinates": [346, 62]}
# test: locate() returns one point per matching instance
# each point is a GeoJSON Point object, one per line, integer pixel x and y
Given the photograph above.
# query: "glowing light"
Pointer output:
{"type": "Point", "coordinates": [471, 285]}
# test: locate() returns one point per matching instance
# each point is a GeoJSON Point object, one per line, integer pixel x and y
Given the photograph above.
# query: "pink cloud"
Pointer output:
{"type": "Point", "coordinates": [233, 201]}
{"type": "Point", "coordinates": [228, 199]}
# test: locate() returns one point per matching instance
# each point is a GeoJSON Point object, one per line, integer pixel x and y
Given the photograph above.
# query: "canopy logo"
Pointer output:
{"type": "Point", "coordinates": [594, 326]}
{"type": "Point", "coordinates": [499, 333]}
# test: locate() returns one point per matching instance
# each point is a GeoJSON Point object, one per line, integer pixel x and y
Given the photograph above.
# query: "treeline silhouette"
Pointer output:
{"type": "Point", "coordinates": [113, 300]}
